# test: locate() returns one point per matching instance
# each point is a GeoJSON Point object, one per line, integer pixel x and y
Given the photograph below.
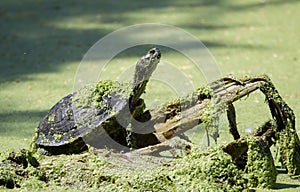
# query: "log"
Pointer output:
{"type": "Point", "coordinates": [180, 115]}
{"type": "Point", "coordinates": [165, 123]}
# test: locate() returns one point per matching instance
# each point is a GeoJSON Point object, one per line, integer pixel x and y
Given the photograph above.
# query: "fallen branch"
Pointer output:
{"type": "Point", "coordinates": [180, 115]}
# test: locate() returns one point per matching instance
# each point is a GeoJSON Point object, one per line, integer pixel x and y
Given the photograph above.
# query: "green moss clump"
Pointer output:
{"type": "Point", "coordinates": [8, 177]}
{"type": "Point", "coordinates": [103, 88]}
{"type": "Point", "coordinates": [91, 96]}
{"type": "Point", "coordinates": [212, 170]}
{"type": "Point", "coordinates": [114, 172]}
{"type": "Point", "coordinates": [286, 136]}
{"type": "Point", "coordinates": [204, 92]}
{"type": "Point", "coordinates": [287, 151]}
{"type": "Point", "coordinates": [111, 88]}
{"type": "Point", "coordinates": [57, 136]}
{"type": "Point", "coordinates": [260, 169]}
{"type": "Point", "coordinates": [51, 118]}
{"type": "Point", "coordinates": [14, 167]}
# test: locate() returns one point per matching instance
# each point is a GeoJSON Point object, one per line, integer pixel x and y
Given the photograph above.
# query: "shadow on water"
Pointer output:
{"type": "Point", "coordinates": [285, 186]}
{"type": "Point", "coordinates": [13, 123]}
{"type": "Point", "coordinates": [39, 36]}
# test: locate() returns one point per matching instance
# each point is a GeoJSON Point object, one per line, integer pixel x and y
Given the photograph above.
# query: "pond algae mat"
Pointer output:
{"type": "Point", "coordinates": [213, 170]}
{"type": "Point", "coordinates": [245, 164]}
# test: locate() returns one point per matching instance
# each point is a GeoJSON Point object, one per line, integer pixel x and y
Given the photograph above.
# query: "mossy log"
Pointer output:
{"type": "Point", "coordinates": [202, 106]}
{"type": "Point", "coordinates": [178, 116]}
{"type": "Point", "coordinates": [280, 131]}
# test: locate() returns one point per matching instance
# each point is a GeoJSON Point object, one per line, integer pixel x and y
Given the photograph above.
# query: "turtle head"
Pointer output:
{"type": "Point", "coordinates": [143, 70]}
{"type": "Point", "coordinates": [145, 66]}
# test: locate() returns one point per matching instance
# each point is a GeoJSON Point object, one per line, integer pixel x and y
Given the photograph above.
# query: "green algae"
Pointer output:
{"type": "Point", "coordinates": [57, 136]}
{"type": "Point", "coordinates": [212, 170]}
{"type": "Point", "coordinates": [51, 118]}
{"type": "Point", "coordinates": [210, 121]}
{"type": "Point", "coordinates": [286, 136]}
{"type": "Point", "coordinates": [287, 152]}
{"type": "Point", "coordinates": [172, 108]}
{"type": "Point", "coordinates": [260, 169]}
{"type": "Point", "coordinates": [13, 167]}
{"type": "Point", "coordinates": [92, 95]}
{"type": "Point", "coordinates": [96, 172]}
{"type": "Point", "coordinates": [204, 92]}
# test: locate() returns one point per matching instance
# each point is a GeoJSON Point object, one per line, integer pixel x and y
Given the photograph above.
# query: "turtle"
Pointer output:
{"type": "Point", "coordinates": [109, 105]}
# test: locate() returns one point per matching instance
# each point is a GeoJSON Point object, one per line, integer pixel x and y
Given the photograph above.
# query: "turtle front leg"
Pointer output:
{"type": "Point", "coordinates": [137, 115]}
{"type": "Point", "coordinates": [140, 132]}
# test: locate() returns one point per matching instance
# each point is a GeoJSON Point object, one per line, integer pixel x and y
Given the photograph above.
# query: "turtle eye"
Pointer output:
{"type": "Point", "coordinates": [152, 52]}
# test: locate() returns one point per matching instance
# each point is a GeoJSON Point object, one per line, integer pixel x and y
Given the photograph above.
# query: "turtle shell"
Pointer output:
{"type": "Point", "coordinates": [83, 113]}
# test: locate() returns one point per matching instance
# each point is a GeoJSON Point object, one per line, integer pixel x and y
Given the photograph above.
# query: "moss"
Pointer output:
{"type": "Point", "coordinates": [287, 154]}
{"type": "Point", "coordinates": [93, 98]}
{"type": "Point", "coordinates": [260, 169]}
{"type": "Point", "coordinates": [130, 138]}
{"type": "Point", "coordinates": [204, 92]}
{"type": "Point", "coordinates": [107, 171]}
{"type": "Point", "coordinates": [211, 117]}
{"type": "Point", "coordinates": [32, 146]}
{"type": "Point", "coordinates": [92, 95]}
{"type": "Point", "coordinates": [57, 136]}
{"type": "Point", "coordinates": [177, 105]}
{"type": "Point", "coordinates": [14, 166]}
{"type": "Point", "coordinates": [8, 176]}
{"type": "Point", "coordinates": [51, 118]}
{"type": "Point", "coordinates": [206, 116]}
{"type": "Point", "coordinates": [286, 135]}
{"type": "Point", "coordinates": [213, 170]}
